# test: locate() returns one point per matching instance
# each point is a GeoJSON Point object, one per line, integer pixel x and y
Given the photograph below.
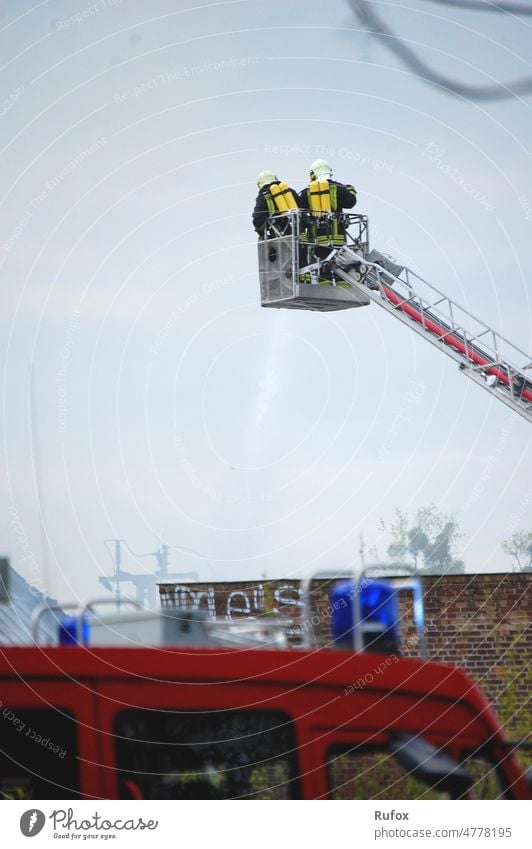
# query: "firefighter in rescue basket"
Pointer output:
{"type": "Point", "coordinates": [326, 199]}
{"type": "Point", "coordinates": [274, 198]}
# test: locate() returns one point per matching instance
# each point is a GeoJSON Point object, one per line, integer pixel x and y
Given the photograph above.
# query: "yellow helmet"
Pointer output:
{"type": "Point", "coordinates": [320, 169]}
{"type": "Point", "coordinates": [265, 178]}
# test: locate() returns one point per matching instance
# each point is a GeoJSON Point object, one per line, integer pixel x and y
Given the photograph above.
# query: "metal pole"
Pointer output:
{"type": "Point", "coordinates": [118, 562]}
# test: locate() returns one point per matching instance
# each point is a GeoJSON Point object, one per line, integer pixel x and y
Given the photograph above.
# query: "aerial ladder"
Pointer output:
{"type": "Point", "coordinates": [293, 276]}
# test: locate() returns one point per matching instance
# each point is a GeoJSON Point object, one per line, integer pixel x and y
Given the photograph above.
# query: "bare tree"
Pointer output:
{"type": "Point", "coordinates": [427, 540]}
{"type": "Point", "coordinates": [519, 546]}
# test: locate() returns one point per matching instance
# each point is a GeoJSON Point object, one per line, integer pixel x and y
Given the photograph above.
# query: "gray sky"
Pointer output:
{"type": "Point", "coordinates": [169, 404]}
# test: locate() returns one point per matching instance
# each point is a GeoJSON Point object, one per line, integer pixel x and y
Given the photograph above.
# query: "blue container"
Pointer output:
{"type": "Point", "coordinates": [68, 631]}
{"type": "Point", "coordinates": [378, 609]}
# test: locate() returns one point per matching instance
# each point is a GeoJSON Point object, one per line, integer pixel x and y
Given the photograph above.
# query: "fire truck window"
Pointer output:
{"type": "Point", "coordinates": [206, 755]}
{"type": "Point", "coordinates": [357, 773]}
{"type": "Point", "coordinates": [38, 754]}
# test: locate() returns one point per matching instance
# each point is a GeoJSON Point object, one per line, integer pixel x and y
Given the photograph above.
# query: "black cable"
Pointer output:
{"type": "Point", "coordinates": [135, 553]}
{"type": "Point", "coordinates": [486, 6]}
{"type": "Point", "coordinates": [374, 24]}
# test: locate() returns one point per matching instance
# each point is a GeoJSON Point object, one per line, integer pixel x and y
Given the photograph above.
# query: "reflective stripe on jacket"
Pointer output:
{"type": "Point", "coordinates": [322, 197]}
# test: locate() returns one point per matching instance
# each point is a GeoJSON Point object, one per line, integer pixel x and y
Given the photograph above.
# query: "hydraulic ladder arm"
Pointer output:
{"type": "Point", "coordinates": [481, 353]}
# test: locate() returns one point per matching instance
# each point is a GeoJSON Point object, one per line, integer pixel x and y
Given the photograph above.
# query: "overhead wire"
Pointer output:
{"type": "Point", "coordinates": [374, 24]}
{"type": "Point", "coordinates": [486, 6]}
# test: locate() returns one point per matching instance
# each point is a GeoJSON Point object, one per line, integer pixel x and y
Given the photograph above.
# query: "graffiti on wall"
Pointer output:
{"type": "Point", "coordinates": [281, 599]}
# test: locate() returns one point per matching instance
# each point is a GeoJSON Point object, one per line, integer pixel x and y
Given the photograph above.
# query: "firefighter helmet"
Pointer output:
{"type": "Point", "coordinates": [265, 178]}
{"type": "Point", "coordinates": [320, 169]}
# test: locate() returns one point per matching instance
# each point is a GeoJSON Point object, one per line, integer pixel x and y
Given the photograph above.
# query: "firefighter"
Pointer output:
{"type": "Point", "coordinates": [274, 197]}
{"type": "Point", "coordinates": [326, 199]}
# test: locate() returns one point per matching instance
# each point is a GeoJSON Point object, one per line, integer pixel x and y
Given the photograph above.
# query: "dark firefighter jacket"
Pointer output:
{"type": "Point", "coordinates": [342, 196]}
{"type": "Point", "coordinates": [265, 206]}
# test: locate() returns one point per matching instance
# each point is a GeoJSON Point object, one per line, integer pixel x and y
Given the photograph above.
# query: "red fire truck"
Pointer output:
{"type": "Point", "coordinates": [157, 705]}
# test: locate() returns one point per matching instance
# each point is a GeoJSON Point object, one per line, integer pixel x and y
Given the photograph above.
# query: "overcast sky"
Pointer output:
{"type": "Point", "coordinates": [168, 405]}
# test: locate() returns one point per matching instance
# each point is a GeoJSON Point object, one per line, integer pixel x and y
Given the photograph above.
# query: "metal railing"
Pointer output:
{"type": "Point", "coordinates": [482, 353]}
{"type": "Point", "coordinates": [298, 224]}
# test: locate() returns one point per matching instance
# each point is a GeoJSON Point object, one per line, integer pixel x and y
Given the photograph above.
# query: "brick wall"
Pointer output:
{"type": "Point", "coordinates": [481, 623]}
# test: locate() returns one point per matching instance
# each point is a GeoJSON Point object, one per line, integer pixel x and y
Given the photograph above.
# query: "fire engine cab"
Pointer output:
{"type": "Point", "coordinates": [167, 704]}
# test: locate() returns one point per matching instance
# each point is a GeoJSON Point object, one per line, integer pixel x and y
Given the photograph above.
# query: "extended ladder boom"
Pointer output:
{"type": "Point", "coordinates": [292, 267]}
{"type": "Point", "coordinates": [481, 353]}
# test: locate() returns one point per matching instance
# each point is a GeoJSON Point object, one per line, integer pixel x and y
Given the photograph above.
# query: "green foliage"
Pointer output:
{"type": "Point", "coordinates": [375, 775]}
{"type": "Point", "coordinates": [513, 707]}
{"type": "Point", "coordinates": [269, 599]}
{"type": "Point", "coordinates": [427, 540]}
{"type": "Point", "coordinates": [519, 546]}
{"type": "Point", "coordinates": [486, 784]}
{"type": "Point", "coordinates": [269, 781]}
